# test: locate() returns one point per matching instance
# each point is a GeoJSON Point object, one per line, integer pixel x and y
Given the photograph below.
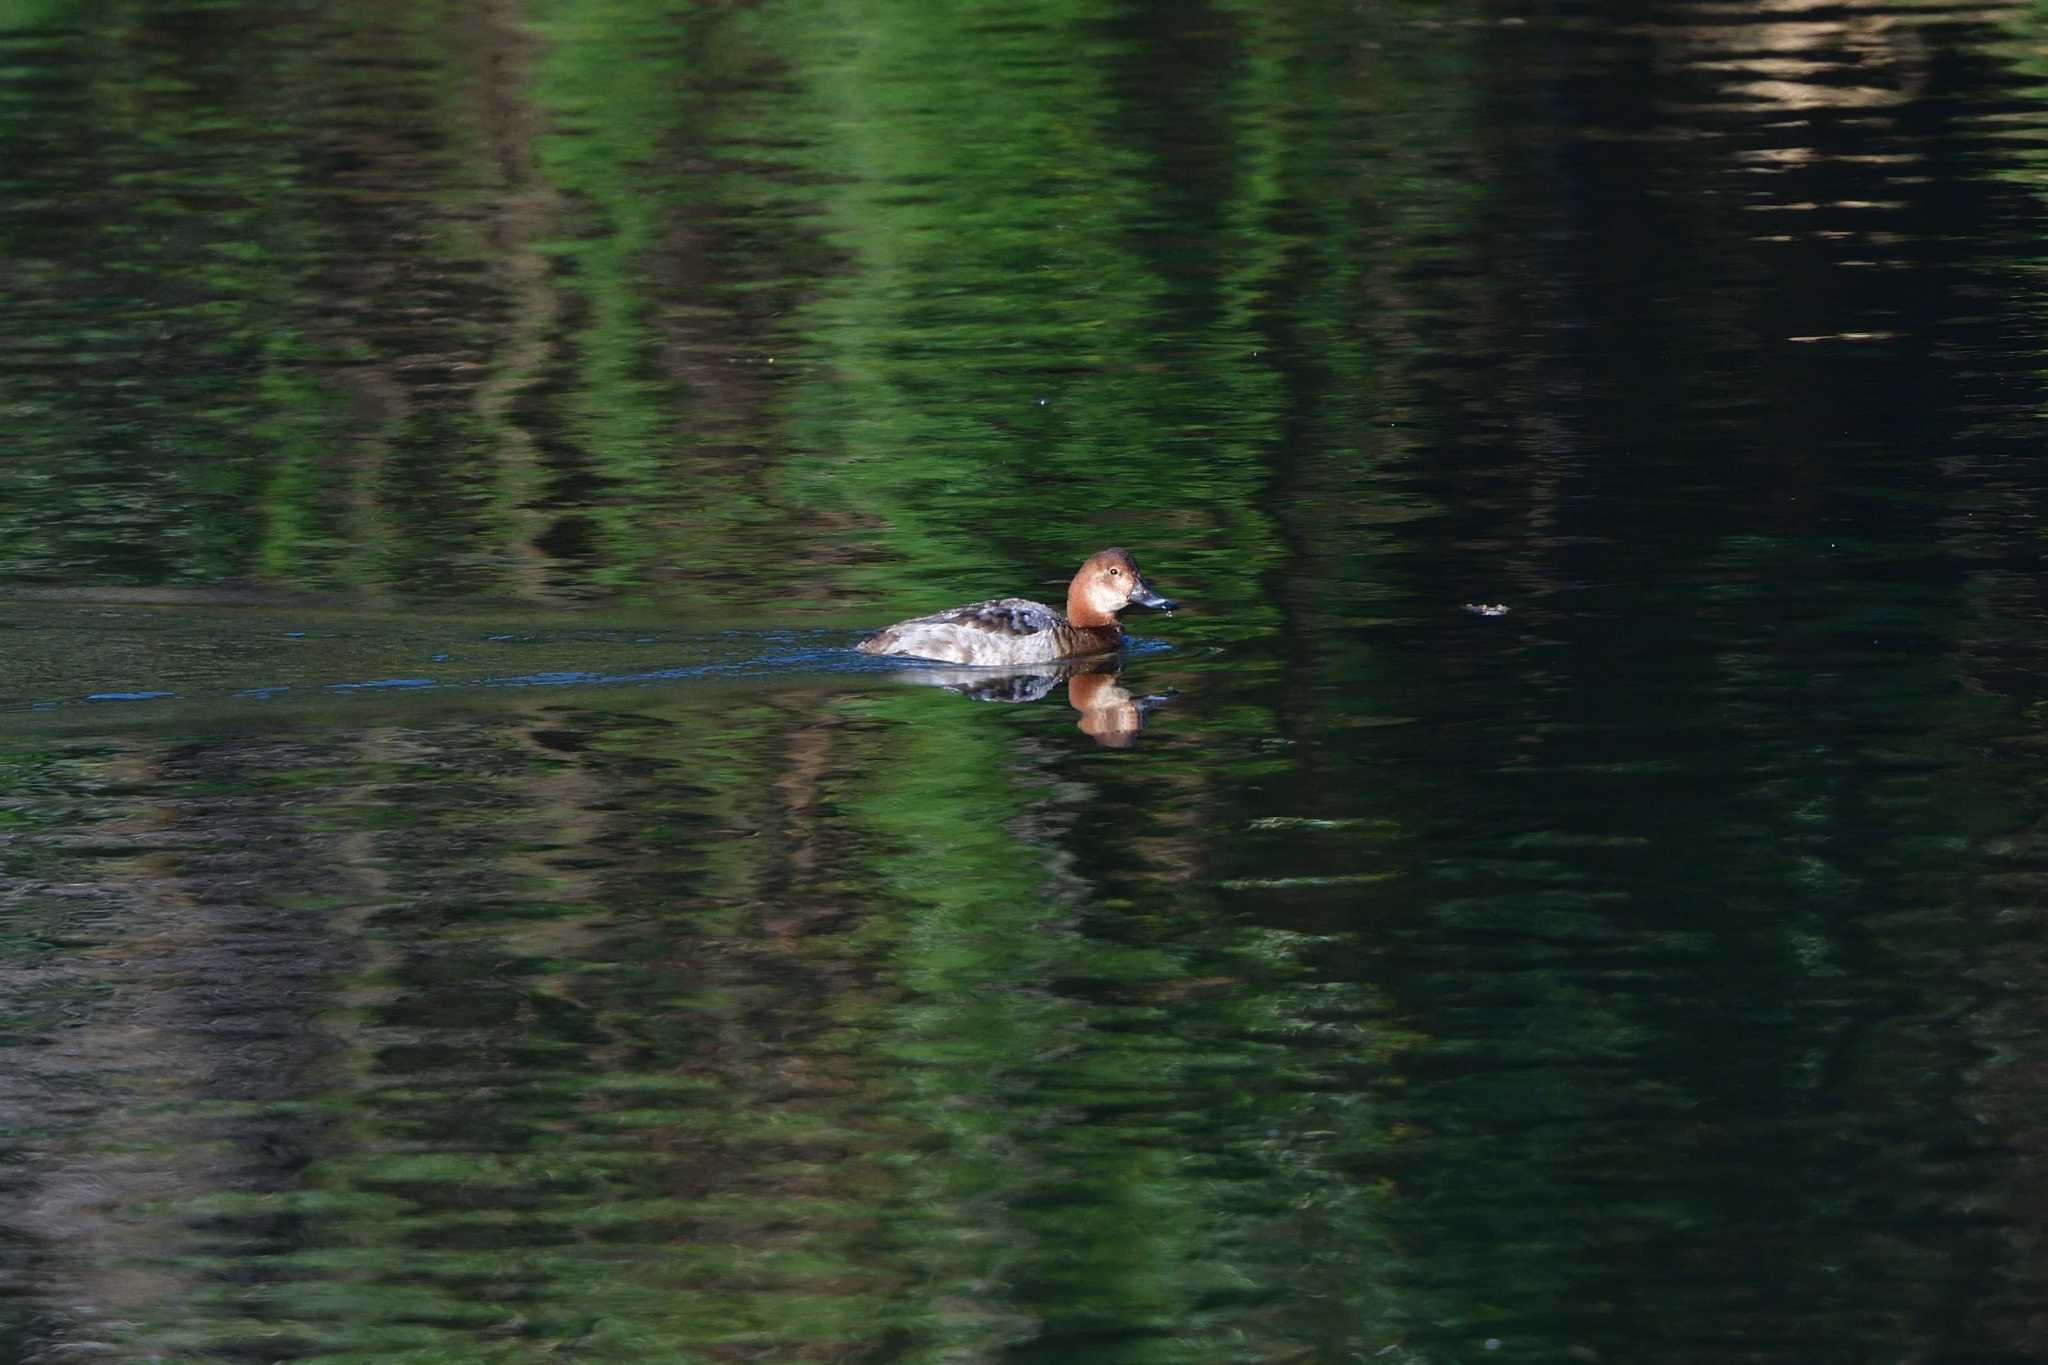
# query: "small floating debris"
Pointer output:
{"type": "Point", "coordinates": [1487, 608]}
{"type": "Point", "coordinates": [1309, 822]}
{"type": "Point", "coordinates": [1294, 883]}
{"type": "Point", "coordinates": [1844, 336]}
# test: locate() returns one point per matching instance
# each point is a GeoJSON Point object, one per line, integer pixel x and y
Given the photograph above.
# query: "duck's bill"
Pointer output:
{"type": "Point", "coordinates": [1142, 594]}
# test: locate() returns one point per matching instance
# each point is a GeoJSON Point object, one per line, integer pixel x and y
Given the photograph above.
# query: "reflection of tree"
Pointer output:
{"type": "Point", "coordinates": [1990, 522]}
{"type": "Point", "coordinates": [790, 1022]}
{"type": "Point", "coordinates": [167, 1120]}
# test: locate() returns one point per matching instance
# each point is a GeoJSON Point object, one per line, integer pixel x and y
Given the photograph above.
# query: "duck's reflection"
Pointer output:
{"type": "Point", "coordinates": [1111, 714]}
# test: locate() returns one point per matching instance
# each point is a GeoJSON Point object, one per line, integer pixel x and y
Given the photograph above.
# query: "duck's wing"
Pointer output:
{"type": "Point", "coordinates": [1000, 616]}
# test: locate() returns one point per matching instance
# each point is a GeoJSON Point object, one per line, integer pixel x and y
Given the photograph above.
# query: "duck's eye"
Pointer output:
{"type": "Point", "coordinates": [1116, 573]}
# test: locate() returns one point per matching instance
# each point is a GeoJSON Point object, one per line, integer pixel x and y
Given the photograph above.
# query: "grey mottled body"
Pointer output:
{"type": "Point", "coordinates": [1000, 632]}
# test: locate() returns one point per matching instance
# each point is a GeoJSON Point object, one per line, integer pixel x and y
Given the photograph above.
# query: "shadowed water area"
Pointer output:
{"type": "Point", "coordinates": [462, 898]}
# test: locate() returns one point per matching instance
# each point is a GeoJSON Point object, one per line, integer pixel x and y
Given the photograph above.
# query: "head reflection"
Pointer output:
{"type": "Point", "coordinates": [1111, 714]}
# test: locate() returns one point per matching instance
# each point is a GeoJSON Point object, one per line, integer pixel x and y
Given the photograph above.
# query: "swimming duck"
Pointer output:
{"type": "Point", "coordinates": [1013, 630]}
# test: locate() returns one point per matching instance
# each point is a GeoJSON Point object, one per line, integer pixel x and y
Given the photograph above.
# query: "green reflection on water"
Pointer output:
{"type": "Point", "coordinates": [828, 1046]}
{"type": "Point", "coordinates": [733, 307]}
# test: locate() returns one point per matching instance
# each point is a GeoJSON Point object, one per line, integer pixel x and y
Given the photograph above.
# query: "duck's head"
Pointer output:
{"type": "Point", "coordinates": [1108, 582]}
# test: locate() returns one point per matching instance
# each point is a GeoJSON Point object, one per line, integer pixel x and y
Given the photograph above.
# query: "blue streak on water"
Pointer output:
{"type": "Point", "coordinates": [381, 683]}
{"type": "Point", "coordinates": [781, 652]}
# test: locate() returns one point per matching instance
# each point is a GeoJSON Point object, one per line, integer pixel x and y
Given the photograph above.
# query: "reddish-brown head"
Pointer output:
{"type": "Point", "coordinates": [1107, 583]}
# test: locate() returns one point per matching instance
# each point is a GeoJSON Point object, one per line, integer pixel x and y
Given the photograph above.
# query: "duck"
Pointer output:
{"type": "Point", "coordinates": [1004, 632]}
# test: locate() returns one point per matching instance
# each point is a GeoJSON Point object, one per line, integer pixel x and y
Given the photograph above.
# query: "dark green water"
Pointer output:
{"type": "Point", "coordinates": [461, 900]}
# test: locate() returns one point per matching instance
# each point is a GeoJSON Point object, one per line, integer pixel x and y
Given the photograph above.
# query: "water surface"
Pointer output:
{"type": "Point", "coordinates": [462, 899]}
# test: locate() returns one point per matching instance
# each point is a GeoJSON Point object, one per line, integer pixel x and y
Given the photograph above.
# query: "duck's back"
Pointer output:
{"type": "Point", "coordinates": [1002, 630]}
